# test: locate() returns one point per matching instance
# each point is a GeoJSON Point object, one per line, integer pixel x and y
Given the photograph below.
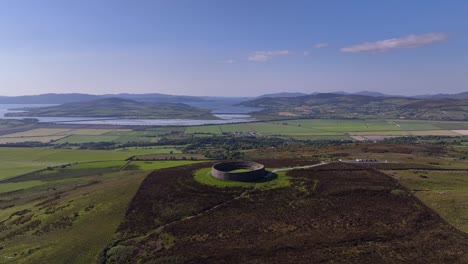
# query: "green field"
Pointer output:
{"type": "Point", "coordinates": [152, 150]}
{"type": "Point", "coordinates": [40, 212]}
{"type": "Point", "coordinates": [99, 164]}
{"type": "Point", "coordinates": [6, 124]}
{"type": "Point", "coordinates": [130, 139]}
{"type": "Point", "coordinates": [53, 225]}
{"type": "Point", "coordinates": [42, 139]}
{"type": "Point", "coordinates": [335, 128]}
{"type": "Point", "coordinates": [134, 133]}
{"type": "Point", "coordinates": [446, 192]}
{"type": "Point", "coordinates": [88, 198]}
{"type": "Point", "coordinates": [208, 129]}
{"type": "Point", "coordinates": [302, 129]}
{"type": "Point", "coordinates": [113, 136]}
{"type": "Point", "coordinates": [16, 161]}
{"type": "Point", "coordinates": [15, 186]}
{"type": "Point", "coordinates": [79, 139]}
{"type": "Point", "coordinates": [39, 132]}
{"type": "Point", "coordinates": [13, 168]}
{"type": "Point", "coordinates": [74, 136]}
{"type": "Point", "coordinates": [157, 165]}
{"type": "Point", "coordinates": [236, 128]}
{"type": "Point", "coordinates": [66, 155]}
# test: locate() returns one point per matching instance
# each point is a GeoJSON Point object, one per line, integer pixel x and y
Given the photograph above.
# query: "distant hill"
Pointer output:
{"type": "Point", "coordinates": [119, 108]}
{"type": "Point", "coordinates": [366, 93]}
{"type": "Point", "coordinates": [282, 95]}
{"type": "Point", "coordinates": [52, 98]}
{"type": "Point", "coordinates": [331, 105]}
{"type": "Point", "coordinates": [47, 98]}
{"type": "Point", "coordinates": [463, 95]}
{"type": "Point", "coordinates": [155, 97]}
{"type": "Point", "coordinates": [373, 94]}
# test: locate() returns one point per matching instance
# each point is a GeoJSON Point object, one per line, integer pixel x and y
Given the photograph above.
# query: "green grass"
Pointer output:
{"type": "Point", "coordinates": [156, 165]}
{"type": "Point", "coordinates": [15, 186]}
{"type": "Point", "coordinates": [79, 136]}
{"type": "Point", "coordinates": [338, 125]}
{"type": "Point", "coordinates": [219, 129]}
{"type": "Point", "coordinates": [152, 150]}
{"type": "Point", "coordinates": [339, 128]}
{"type": "Point", "coordinates": [130, 133]}
{"type": "Point", "coordinates": [10, 169]}
{"type": "Point", "coordinates": [71, 226]}
{"type": "Point", "coordinates": [42, 139]}
{"type": "Point", "coordinates": [310, 128]}
{"type": "Point", "coordinates": [280, 129]}
{"type": "Point", "coordinates": [64, 155]}
{"type": "Point", "coordinates": [17, 161]}
{"type": "Point", "coordinates": [99, 208]}
{"type": "Point", "coordinates": [46, 135]}
{"type": "Point", "coordinates": [209, 129]}
{"type": "Point", "coordinates": [79, 139]}
{"type": "Point", "coordinates": [230, 128]}
{"type": "Point", "coordinates": [98, 165]}
{"type": "Point", "coordinates": [416, 125]}
{"type": "Point", "coordinates": [434, 133]}
{"type": "Point", "coordinates": [39, 132]}
{"type": "Point", "coordinates": [87, 201]}
{"type": "Point", "coordinates": [453, 125]}
{"type": "Point", "coordinates": [320, 137]}
{"type": "Point", "coordinates": [60, 155]}
{"type": "Point", "coordinates": [240, 170]}
{"type": "Point", "coordinates": [380, 133]}
{"type": "Point", "coordinates": [129, 139]}
{"type": "Point", "coordinates": [278, 180]}
{"type": "Point", "coordinates": [446, 192]}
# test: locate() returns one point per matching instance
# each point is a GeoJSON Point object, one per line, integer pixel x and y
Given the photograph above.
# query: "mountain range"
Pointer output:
{"type": "Point", "coordinates": [53, 98]}
{"type": "Point", "coordinates": [336, 106]}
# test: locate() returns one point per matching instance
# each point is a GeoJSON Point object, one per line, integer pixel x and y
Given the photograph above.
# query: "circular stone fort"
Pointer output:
{"type": "Point", "coordinates": [244, 171]}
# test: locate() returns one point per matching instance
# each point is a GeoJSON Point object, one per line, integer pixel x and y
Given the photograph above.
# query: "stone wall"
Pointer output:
{"type": "Point", "coordinates": [222, 171]}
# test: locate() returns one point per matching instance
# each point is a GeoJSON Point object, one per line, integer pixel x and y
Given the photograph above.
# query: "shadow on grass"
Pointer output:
{"type": "Point", "coordinates": [270, 176]}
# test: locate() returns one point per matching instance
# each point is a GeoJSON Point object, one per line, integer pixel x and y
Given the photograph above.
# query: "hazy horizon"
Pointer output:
{"type": "Point", "coordinates": [227, 96]}
{"type": "Point", "coordinates": [236, 49]}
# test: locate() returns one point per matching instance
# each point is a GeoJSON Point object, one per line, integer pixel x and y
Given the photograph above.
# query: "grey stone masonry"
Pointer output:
{"type": "Point", "coordinates": [223, 170]}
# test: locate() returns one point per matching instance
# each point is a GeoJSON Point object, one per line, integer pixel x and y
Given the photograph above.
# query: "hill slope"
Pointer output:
{"type": "Point", "coordinates": [52, 98]}
{"type": "Point", "coordinates": [328, 105]}
{"type": "Point", "coordinates": [285, 94]}
{"type": "Point", "coordinates": [119, 108]}
{"type": "Point", "coordinates": [337, 213]}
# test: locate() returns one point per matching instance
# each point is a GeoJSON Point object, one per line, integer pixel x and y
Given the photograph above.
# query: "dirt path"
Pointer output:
{"type": "Point", "coordinates": [296, 168]}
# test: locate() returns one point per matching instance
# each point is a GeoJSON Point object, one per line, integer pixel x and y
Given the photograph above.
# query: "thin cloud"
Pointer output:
{"type": "Point", "coordinates": [261, 56]}
{"type": "Point", "coordinates": [321, 45]}
{"type": "Point", "coordinates": [306, 53]}
{"type": "Point", "coordinates": [230, 61]}
{"type": "Point", "coordinates": [411, 41]}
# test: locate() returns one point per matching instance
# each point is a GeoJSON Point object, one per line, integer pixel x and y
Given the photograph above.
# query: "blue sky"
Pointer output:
{"type": "Point", "coordinates": [232, 48]}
